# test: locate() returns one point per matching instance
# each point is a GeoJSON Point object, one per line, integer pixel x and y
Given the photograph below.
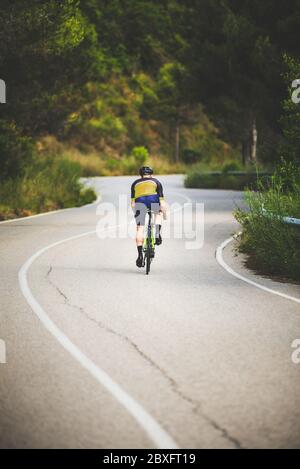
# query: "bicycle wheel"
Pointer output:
{"type": "Point", "coordinates": [148, 245]}
{"type": "Point", "coordinates": [148, 256]}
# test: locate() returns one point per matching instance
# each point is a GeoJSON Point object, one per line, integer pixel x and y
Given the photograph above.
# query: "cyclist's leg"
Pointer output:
{"type": "Point", "coordinates": [140, 215]}
{"type": "Point", "coordinates": [158, 222]}
{"type": "Point", "coordinates": [139, 235]}
{"type": "Point", "coordinates": [139, 244]}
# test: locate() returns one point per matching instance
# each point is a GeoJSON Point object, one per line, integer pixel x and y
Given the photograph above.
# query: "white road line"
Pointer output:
{"type": "Point", "coordinates": [220, 260]}
{"type": "Point", "coordinates": [156, 433]}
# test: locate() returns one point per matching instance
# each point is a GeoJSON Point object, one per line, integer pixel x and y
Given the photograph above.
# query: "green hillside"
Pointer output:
{"type": "Point", "coordinates": [109, 85]}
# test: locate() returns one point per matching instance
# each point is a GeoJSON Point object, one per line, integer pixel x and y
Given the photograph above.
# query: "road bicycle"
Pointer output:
{"type": "Point", "coordinates": [149, 242]}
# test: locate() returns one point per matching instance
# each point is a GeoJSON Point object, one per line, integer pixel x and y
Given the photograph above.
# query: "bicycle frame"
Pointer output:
{"type": "Point", "coordinates": [150, 230]}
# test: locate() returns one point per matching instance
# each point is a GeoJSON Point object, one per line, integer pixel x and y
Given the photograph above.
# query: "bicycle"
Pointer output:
{"type": "Point", "coordinates": [149, 242]}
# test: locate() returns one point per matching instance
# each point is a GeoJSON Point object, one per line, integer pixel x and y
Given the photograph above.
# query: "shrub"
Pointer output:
{"type": "Point", "coordinates": [140, 155]}
{"type": "Point", "coordinates": [234, 180]}
{"type": "Point", "coordinates": [273, 246]}
{"type": "Point", "coordinates": [131, 164]}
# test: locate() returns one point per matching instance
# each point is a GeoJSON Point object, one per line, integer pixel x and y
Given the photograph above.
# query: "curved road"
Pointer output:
{"type": "Point", "coordinates": [100, 355]}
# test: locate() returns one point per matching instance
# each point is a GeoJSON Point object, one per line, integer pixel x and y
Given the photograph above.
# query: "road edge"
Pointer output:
{"type": "Point", "coordinates": [224, 265]}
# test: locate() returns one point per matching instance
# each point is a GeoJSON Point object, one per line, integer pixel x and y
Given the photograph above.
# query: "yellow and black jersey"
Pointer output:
{"type": "Point", "coordinates": [146, 186]}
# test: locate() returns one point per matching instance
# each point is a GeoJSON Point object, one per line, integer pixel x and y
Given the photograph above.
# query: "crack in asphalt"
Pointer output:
{"type": "Point", "coordinates": [196, 406]}
{"type": "Point", "coordinates": [55, 286]}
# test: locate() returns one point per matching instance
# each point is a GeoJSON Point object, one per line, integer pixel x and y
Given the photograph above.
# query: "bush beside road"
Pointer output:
{"type": "Point", "coordinates": [273, 245]}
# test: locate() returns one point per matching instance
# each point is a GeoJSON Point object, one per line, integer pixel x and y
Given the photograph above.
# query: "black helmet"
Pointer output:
{"type": "Point", "coordinates": [145, 170]}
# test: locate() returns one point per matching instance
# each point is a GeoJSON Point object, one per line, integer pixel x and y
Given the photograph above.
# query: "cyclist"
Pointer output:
{"type": "Point", "coordinates": [147, 193]}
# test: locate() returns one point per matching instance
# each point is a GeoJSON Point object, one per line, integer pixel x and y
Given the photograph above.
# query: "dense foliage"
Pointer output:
{"type": "Point", "coordinates": [125, 73]}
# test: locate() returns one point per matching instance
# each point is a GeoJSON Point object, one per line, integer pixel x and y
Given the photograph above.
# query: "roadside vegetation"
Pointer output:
{"type": "Point", "coordinates": [230, 175]}
{"type": "Point", "coordinates": [47, 184]}
{"type": "Point", "coordinates": [272, 244]}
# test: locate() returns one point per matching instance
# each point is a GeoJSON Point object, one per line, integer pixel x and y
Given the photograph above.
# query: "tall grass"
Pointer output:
{"type": "Point", "coordinates": [49, 183]}
{"type": "Point", "coordinates": [103, 163]}
{"type": "Point", "coordinates": [93, 164]}
{"type": "Point", "coordinates": [273, 246]}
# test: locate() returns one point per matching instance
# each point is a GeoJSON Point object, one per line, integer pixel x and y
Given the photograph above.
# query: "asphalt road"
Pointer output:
{"type": "Point", "coordinates": [100, 355]}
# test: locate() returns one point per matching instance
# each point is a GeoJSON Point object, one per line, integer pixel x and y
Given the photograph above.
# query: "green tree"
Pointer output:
{"type": "Point", "coordinates": [47, 53]}
{"type": "Point", "coordinates": [235, 63]}
{"type": "Point", "coordinates": [168, 100]}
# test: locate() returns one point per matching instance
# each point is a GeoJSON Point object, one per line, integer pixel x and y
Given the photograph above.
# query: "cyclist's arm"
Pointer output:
{"type": "Point", "coordinates": [163, 207]}
{"type": "Point", "coordinates": [162, 202]}
{"type": "Point", "coordinates": [159, 190]}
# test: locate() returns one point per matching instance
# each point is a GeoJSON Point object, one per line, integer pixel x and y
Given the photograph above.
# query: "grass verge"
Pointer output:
{"type": "Point", "coordinates": [49, 183]}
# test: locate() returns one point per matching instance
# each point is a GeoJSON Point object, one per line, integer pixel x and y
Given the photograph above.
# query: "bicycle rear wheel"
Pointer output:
{"type": "Point", "coordinates": [148, 257]}
{"type": "Point", "coordinates": [148, 252]}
